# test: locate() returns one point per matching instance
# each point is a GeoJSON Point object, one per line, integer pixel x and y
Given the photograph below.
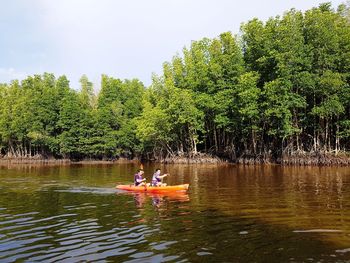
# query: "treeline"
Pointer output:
{"type": "Point", "coordinates": [277, 89]}
{"type": "Point", "coordinates": [43, 117]}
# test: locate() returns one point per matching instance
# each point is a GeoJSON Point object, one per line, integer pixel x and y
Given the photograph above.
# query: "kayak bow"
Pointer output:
{"type": "Point", "coordinates": [154, 189]}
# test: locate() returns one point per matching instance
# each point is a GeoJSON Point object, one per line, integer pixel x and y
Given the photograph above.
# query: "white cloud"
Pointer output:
{"type": "Point", "coordinates": [134, 37]}
{"type": "Point", "coordinates": [9, 74]}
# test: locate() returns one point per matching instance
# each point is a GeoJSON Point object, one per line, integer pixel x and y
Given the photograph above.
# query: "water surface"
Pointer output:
{"type": "Point", "coordinates": [230, 214]}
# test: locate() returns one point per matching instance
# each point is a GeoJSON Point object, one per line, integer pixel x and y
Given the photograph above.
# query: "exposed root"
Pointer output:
{"type": "Point", "coordinates": [198, 158]}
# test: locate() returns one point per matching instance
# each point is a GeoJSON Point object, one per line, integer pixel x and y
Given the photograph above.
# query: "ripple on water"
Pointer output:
{"type": "Point", "coordinates": [204, 253]}
{"type": "Point", "coordinates": [14, 221]}
{"type": "Point", "coordinates": [80, 240]}
{"type": "Point", "coordinates": [24, 253]}
{"type": "Point", "coordinates": [162, 245]}
{"type": "Point", "coordinates": [318, 231]}
{"type": "Point", "coordinates": [17, 247]}
{"type": "Point", "coordinates": [346, 250]}
{"type": "Point", "coordinates": [88, 190]}
{"type": "Point", "coordinates": [154, 258]}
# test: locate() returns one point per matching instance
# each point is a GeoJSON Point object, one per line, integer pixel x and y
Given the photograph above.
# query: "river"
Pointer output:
{"type": "Point", "coordinates": [73, 213]}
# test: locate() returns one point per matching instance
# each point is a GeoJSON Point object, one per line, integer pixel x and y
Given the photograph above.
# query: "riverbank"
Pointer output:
{"type": "Point", "coordinates": [298, 158]}
{"type": "Point", "coordinates": [196, 159]}
{"type": "Point", "coordinates": [48, 161]}
{"type": "Point", "coordinates": [316, 159]}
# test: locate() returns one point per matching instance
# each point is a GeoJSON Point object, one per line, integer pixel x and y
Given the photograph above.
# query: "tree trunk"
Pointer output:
{"type": "Point", "coordinates": [254, 141]}
{"type": "Point", "coordinates": [336, 139]}
{"type": "Point", "coordinates": [326, 136]}
{"type": "Point", "coordinates": [194, 145]}
{"type": "Point", "coordinates": [215, 140]}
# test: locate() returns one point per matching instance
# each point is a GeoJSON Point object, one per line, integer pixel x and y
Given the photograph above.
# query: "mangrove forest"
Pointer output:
{"type": "Point", "coordinates": [277, 90]}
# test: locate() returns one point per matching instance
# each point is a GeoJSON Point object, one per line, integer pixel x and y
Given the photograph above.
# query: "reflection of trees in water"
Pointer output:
{"type": "Point", "coordinates": [282, 194]}
{"type": "Point", "coordinates": [256, 183]}
{"type": "Point", "coordinates": [297, 197]}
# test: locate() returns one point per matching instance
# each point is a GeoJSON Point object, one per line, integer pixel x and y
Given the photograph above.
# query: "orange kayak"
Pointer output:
{"type": "Point", "coordinates": [154, 189]}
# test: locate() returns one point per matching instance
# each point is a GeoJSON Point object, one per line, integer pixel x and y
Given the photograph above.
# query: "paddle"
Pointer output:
{"type": "Point", "coordinates": [164, 175]}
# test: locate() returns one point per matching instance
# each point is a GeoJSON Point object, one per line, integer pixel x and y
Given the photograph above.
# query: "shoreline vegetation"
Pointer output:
{"type": "Point", "coordinates": [297, 159]}
{"type": "Point", "coordinates": [279, 92]}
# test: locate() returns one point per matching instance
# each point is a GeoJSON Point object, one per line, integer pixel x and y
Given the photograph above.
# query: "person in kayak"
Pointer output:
{"type": "Point", "coordinates": [157, 179]}
{"type": "Point", "coordinates": [138, 179]}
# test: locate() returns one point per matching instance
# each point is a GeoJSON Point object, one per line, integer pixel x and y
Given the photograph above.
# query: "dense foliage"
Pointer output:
{"type": "Point", "coordinates": [278, 88]}
{"type": "Point", "coordinates": [42, 116]}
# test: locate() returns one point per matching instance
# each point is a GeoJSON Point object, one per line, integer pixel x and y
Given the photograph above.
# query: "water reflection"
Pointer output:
{"type": "Point", "coordinates": [231, 213]}
{"type": "Point", "coordinates": [156, 199]}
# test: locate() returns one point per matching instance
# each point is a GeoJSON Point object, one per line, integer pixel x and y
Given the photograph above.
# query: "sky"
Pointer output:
{"type": "Point", "coordinates": [123, 39]}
